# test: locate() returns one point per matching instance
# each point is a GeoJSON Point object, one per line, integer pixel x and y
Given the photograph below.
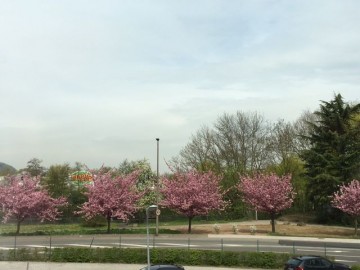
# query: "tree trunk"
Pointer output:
{"type": "Point", "coordinates": [272, 216]}
{"type": "Point", "coordinates": [189, 228]}
{"type": "Point", "coordinates": [356, 226]}
{"type": "Point", "coordinates": [18, 227]}
{"type": "Point", "coordinates": [108, 224]}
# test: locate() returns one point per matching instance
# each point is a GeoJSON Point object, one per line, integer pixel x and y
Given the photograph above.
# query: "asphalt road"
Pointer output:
{"type": "Point", "coordinates": [343, 250]}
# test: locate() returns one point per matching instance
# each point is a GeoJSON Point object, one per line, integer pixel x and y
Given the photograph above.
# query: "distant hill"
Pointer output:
{"type": "Point", "coordinates": [6, 169]}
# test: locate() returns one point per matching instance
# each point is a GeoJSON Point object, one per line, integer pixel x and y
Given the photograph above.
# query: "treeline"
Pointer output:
{"type": "Point", "coordinates": [321, 150]}
{"type": "Point", "coordinates": [58, 181]}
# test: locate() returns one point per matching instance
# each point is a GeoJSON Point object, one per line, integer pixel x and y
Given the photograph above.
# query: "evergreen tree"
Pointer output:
{"type": "Point", "coordinates": [57, 180]}
{"type": "Point", "coordinates": [334, 154]}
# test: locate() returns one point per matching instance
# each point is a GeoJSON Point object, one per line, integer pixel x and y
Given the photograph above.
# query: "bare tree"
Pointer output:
{"type": "Point", "coordinates": [242, 140]}
{"type": "Point", "coordinates": [200, 153]}
{"type": "Point", "coordinates": [283, 143]}
{"type": "Point", "coordinates": [239, 142]}
{"type": "Point", "coordinates": [304, 126]}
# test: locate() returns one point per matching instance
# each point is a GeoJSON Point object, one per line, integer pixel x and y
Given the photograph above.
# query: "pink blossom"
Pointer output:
{"type": "Point", "coordinates": [192, 194]}
{"type": "Point", "coordinates": [24, 198]}
{"type": "Point", "coordinates": [347, 199]}
{"type": "Point", "coordinates": [267, 193]}
{"type": "Point", "coordinates": [111, 197]}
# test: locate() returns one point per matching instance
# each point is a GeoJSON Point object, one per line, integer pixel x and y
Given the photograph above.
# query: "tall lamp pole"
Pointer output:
{"type": "Point", "coordinates": [157, 187]}
{"type": "Point", "coordinates": [147, 234]}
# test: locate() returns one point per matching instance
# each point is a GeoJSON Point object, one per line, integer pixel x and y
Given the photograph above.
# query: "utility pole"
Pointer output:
{"type": "Point", "coordinates": [157, 188]}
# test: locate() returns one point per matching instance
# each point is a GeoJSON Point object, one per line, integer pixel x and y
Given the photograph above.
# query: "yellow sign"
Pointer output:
{"type": "Point", "coordinates": [81, 176]}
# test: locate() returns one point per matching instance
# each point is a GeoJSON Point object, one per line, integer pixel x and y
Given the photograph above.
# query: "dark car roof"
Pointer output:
{"type": "Point", "coordinates": [305, 257]}
{"type": "Point", "coordinates": [160, 266]}
{"type": "Point", "coordinates": [295, 261]}
{"type": "Point", "coordinates": [298, 259]}
{"type": "Point", "coordinates": [168, 265]}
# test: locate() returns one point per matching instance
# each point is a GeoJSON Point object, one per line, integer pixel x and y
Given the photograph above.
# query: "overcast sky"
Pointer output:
{"type": "Point", "coordinates": [97, 81]}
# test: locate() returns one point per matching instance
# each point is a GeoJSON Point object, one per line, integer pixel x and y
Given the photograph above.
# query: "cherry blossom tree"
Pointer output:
{"type": "Point", "coordinates": [192, 194]}
{"type": "Point", "coordinates": [347, 199]}
{"type": "Point", "coordinates": [23, 197]}
{"type": "Point", "coordinates": [267, 193]}
{"type": "Point", "coordinates": [111, 197]}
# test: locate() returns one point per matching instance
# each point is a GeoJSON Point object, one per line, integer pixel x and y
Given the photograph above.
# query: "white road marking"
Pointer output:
{"type": "Point", "coordinates": [178, 245]}
{"type": "Point", "coordinates": [345, 261]}
{"type": "Point", "coordinates": [322, 249]}
{"type": "Point", "coordinates": [311, 250]}
{"type": "Point", "coordinates": [93, 246]}
{"type": "Point", "coordinates": [131, 245]}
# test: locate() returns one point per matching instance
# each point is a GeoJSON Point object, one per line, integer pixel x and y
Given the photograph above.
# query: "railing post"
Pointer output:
{"type": "Point", "coordinates": [15, 247]}
{"type": "Point", "coordinates": [91, 242]}
{"type": "Point", "coordinates": [222, 250]}
{"type": "Point", "coordinates": [50, 248]}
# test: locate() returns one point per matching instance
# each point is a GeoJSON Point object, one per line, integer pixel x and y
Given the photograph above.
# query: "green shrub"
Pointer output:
{"type": "Point", "coordinates": [72, 255]}
{"type": "Point", "coordinates": [98, 221]}
{"type": "Point", "coordinates": [26, 254]}
{"type": "Point", "coordinates": [266, 260]}
{"type": "Point", "coordinates": [212, 258]}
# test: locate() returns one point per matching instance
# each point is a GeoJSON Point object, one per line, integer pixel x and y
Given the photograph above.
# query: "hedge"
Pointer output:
{"type": "Point", "coordinates": [265, 260]}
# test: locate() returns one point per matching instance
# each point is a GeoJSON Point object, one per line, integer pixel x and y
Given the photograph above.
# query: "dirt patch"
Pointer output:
{"type": "Point", "coordinates": [282, 228]}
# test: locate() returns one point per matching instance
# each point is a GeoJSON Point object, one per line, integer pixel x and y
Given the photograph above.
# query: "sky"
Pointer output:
{"type": "Point", "coordinates": [98, 81]}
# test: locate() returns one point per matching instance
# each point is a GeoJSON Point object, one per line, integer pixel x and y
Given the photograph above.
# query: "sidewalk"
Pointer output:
{"type": "Point", "coordinates": [88, 266]}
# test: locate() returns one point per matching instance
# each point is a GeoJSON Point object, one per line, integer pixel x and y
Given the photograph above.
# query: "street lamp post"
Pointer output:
{"type": "Point", "coordinates": [157, 185]}
{"type": "Point", "coordinates": [147, 234]}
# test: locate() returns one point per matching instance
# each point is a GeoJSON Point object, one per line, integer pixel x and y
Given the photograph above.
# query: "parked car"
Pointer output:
{"type": "Point", "coordinates": [313, 263]}
{"type": "Point", "coordinates": [164, 267]}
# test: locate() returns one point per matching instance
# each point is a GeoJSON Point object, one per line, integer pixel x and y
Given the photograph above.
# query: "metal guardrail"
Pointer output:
{"type": "Point", "coordinates": [296, 247]}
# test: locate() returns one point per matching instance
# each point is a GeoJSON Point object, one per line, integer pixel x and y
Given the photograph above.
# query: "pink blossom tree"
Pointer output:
{"type": "Point", "coordinates": [267, 193]}
{"type": "Point", "coordinates": [23, 197]}
{"type": "Point", "coordinates": [192, 194]}
{"type": "Point", "coordinates": [111, 197]}
{"type": "Point", "coordinates": [347, 199]}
